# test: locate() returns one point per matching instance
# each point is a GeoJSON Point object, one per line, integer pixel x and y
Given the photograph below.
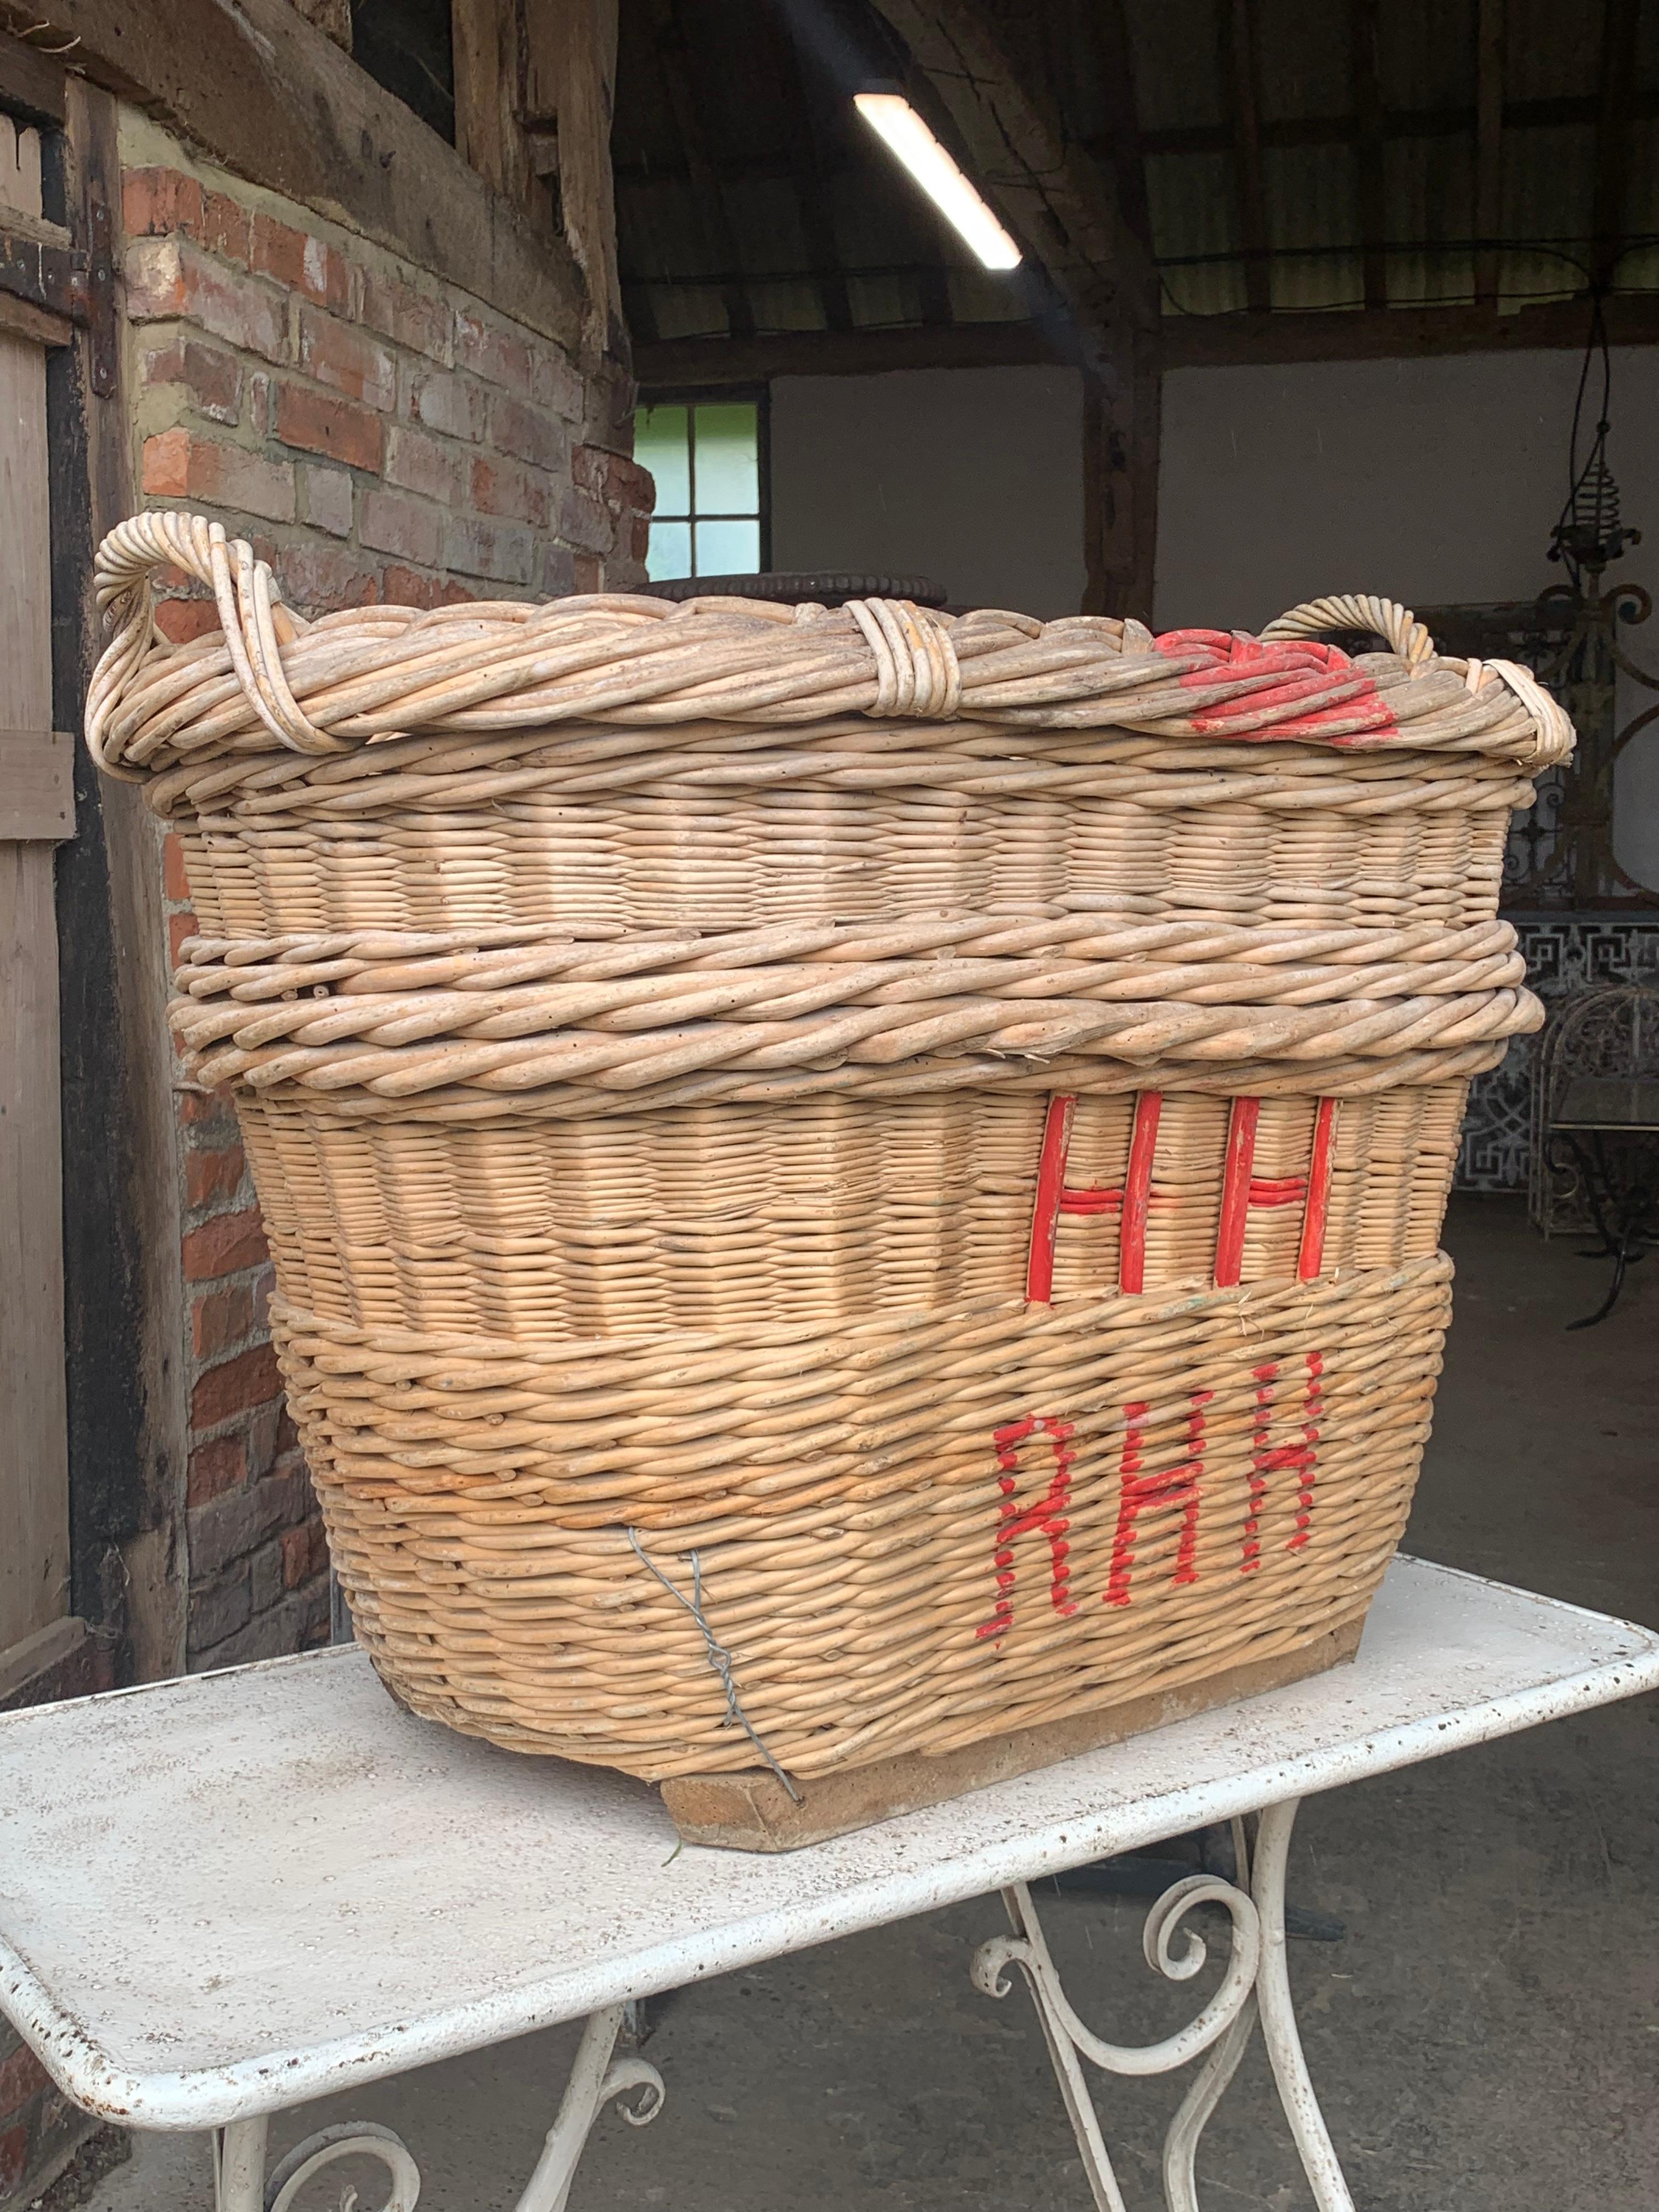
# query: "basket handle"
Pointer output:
{"type": "Point", "coordinates": [1553, 733]}
{"type": "Point", "coordinates": [255, 622]}
{"type": "Point", "coordinates": [1358, 611]}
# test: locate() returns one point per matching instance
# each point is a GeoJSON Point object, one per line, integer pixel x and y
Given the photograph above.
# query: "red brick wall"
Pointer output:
{"type": "Point", "coordinates": [258, 1566]}
{"type": "Point", "coordinates": [39, 2126]}
{"type": "Point", "coordinates": [378, 436]}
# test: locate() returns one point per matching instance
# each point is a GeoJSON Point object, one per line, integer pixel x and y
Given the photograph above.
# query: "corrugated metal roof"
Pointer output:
{"type": "Point", "coordinates": [1425, 54]}
{"type": "Point", "coordinates": [1303, 59]}
{"type": "Point", "coordinates": [802, 195]}
{"type": "Point", "coordinates": [1177, 65]}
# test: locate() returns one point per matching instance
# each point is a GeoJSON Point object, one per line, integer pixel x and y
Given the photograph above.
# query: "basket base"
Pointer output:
{"type": "Point", "coordinates": [752, 1811]}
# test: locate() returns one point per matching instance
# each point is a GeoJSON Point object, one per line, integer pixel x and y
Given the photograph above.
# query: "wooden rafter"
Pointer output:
{"type": "Point", "coordinates": [1062, 205]}
{"type": "Point", "coordinates": [806, 173]}
{"type": "Point", "coordinates": [1238, 42]}
{"type": "Point", "coordinates": [1560, 110]}
{"type": "Point", "coordinates": [1366, 30]}
{"type": "Point", "coordinates": [1050, 192]}
{"type": "Point", "coordinates": [1060, 202]}
{"type": "Point", "coordinates": [673, 50]}
{"type": "Point", "coordinates": [1559, 113]}
{"type": "Point", "coordinates": [1398, 333]}
{"type": "Point", "coordinates": [1612, 133]}
{"type": "Point", "coordinates": [1488, 150]}
{"type": "Point", "coordinates": [1125, 148]}
{"type": "Point", "coordinates": [677, 362]}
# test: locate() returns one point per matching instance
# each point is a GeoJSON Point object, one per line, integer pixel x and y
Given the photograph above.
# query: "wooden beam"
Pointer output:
{"type": "Point", "coordinates": [570, 81]}
{"type": "Point", "coordinates": [1120, 485]}
{"type": "Point", "coordinates": [128, 1384]}
{"type": "Point", "coordinates": [34, 1557]}
{"type": "Point", "coordinates": [1562, 112]}
{"type": "Point", "coordinates": [1365, 24]}
{"type": "Point", "coordinates": [1238, 76]}
{"type": "Point", "coordinates": [1053, 195]}
{"type": "Point", "coordinates": [258, 89]}
{"type": "Point", "coordinates": [489, 95]}
{"type": "Point", "coordinates": [1612, 133]}
{"type": "Point", "coordinates": [935, 284]}
{"type": "Point", "coordinates": [1488, 150]}
{"type": "Point", "coordinates": [686, 364]}
{"type": "Point", "coordinates": [1398, 333]}
{"type": "Point", "coordinates": [720, 239]}
{"type": "Point", "coordinates": [807, 173]}
{"type": "Point", "coordinates": [1064, 207]}
{"type": "Point", "coordinates": [1125, 151]}
{"type": "Point", "coordinates": [332, 17]}
{"type": "Point", "coordinates": [1185, 342]}
{"type": "Point", "coordinates": [32, 85]}
{"type": "Point", "coordinates": [1558, 111]}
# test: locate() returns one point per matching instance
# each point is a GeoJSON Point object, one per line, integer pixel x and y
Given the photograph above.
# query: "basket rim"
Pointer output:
{"type": "Point", "coordinates": [273, 680]}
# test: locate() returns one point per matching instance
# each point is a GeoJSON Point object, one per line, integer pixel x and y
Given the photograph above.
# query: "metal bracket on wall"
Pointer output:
{"type": "Point", "coordinates": [99, 294]}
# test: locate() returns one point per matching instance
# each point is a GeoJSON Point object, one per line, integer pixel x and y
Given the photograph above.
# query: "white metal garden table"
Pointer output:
{"type": "Point", "coordinates": [224, 1896]}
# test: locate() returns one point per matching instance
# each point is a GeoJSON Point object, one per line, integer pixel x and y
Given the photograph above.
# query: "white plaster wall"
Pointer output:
{"type": "Point", "coordinates": [1429, 481]}
{"type": "Point", "coordinates": [971, 476]}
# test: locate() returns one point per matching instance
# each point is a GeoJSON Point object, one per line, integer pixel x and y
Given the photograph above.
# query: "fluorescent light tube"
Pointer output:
{"type": "Point", "coordinates": [895, 121]}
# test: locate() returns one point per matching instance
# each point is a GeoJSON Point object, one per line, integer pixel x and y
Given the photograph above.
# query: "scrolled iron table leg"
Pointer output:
{"type": "Point", "coordinates": [596, 2076]}
{"type": "Point", "coordinates": [1255, 1985]}
{"type": "Point", "coordinates": [1633, 1210]}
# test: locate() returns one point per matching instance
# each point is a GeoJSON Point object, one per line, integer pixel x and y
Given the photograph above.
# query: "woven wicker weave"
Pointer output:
{"type": "Point", "coordinates": [841, 1183]}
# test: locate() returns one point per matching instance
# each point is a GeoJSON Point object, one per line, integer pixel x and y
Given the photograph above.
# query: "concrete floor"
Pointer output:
{"type": "Point", "coordinates": [1485, 2040]}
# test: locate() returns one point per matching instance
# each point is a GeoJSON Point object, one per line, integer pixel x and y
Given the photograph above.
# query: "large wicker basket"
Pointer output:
{"type": "Point", "coordinates": [842, 1184]}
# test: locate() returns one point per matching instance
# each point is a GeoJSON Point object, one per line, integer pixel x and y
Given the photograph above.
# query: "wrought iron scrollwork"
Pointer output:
{"type": "Point", "coordinates": [598, 2078]}
{"type": "Point", "coordinates": [1255, 1986]}
{"type": "Point", "coordinates": [357, 2139]}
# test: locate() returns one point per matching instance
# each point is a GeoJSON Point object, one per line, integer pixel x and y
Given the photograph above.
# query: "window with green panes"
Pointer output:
{"type": "Point", "coordinates": [706, 456]}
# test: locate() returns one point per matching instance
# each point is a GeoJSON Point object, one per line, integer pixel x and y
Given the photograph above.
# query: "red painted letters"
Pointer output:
{"type": "Point", "coordinates": [1178, 1488]}
{"type": "Point", "coordinates": [1268, 1459]}
{"type": "Point", "coordinates": [1139, 1493]}
{"type": "Point", "coordinates": [1050, 1515]}
{"type": "Point", "coordinates": [1242, 1191]}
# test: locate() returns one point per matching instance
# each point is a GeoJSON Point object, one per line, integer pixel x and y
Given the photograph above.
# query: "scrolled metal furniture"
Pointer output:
{"type": "Point", "coordinates": [1595, 1111]}
{"type": "Point", "coordinates": [276, 1934]}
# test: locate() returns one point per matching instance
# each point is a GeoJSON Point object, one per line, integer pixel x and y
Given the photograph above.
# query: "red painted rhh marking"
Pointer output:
{"type": "Point", "coordinates": [1266, 1459]}
{"type": "Point", "coordinates": [1240, 1190]}
{"type": "Point", "coordinates": [1139, 1493]}
{"type": "Point", "coordinates": [1178, 1488]}
{"type": "Point", "coordinates": [1049, 1514]}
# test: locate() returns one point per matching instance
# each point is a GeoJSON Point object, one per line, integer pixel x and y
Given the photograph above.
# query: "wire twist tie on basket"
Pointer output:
{"type": "Point", "coordinates": [916, 669]}
{"type": "Point", "coordinates": [718, 1657]}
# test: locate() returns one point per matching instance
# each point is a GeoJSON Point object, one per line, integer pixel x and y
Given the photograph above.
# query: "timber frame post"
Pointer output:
{"type": "Point", "coordinates": [487, 40]}
{"type": "Point", "coordinates": [535, 88]}
{"type": "Point", "coordinates": [124, 1410]}
{"type": "Point", "coordinates": [569, 94]}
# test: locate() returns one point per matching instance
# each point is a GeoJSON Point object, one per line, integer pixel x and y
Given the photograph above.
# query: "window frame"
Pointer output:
{"type": "Point", "coordinates": [704, 395]}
